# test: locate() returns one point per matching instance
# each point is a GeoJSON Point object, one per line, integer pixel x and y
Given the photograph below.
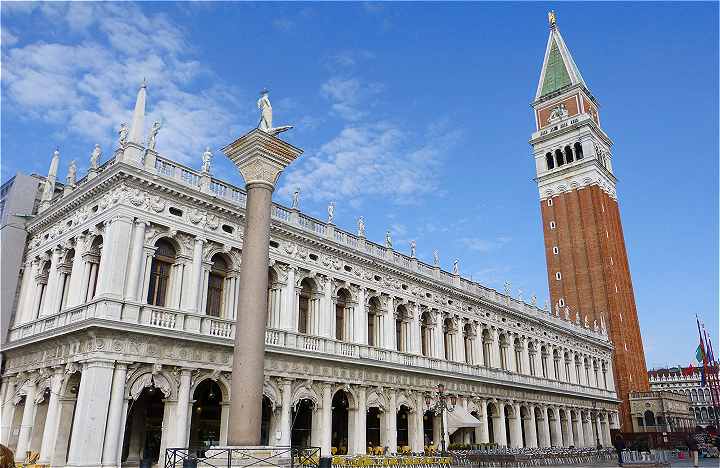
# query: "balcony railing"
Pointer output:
{"type": "Point", "coordinates": [198, 326]}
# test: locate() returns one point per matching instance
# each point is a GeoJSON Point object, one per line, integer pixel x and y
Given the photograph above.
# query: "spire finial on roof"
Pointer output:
{"type": "Point", "coordinates": [138, 121]}
{"type": "Point", "coordinates": [552, 19]}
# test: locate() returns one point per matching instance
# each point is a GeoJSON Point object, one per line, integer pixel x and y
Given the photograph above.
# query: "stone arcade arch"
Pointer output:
{"type": "Point", "coordinates": [206, 415]}
{"type": "Point", "coordinates": [143, 431]}
{"type": "Point", "coordinates": [342, 422]}
{"type": "Point", "coordinates": [145, 436]}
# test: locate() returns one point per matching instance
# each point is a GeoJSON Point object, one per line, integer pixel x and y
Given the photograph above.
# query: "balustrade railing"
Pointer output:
{"type": "Point", "coordinates": [222, 328]}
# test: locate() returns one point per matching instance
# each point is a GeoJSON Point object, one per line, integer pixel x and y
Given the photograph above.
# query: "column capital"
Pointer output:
{"type": "Point", "coordinates": [261, 157]}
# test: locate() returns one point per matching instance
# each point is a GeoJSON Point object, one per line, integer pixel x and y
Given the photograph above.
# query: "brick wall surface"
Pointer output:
{"type": "Point", "coordinates": [596, 278]}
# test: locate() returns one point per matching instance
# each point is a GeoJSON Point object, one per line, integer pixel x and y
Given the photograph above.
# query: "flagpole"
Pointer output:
{"type": "Point", "coordinates": [716, 371]}
{"type": "Point", "coordinates": [705, 370]}
{"type": "Point", "coordinates": [710, 376]}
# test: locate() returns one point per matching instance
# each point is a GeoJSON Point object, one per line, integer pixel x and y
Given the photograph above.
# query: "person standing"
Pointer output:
{"type": "Point", "coordinates": [693, 446]}
{"type": "Point", "coordinates": [619, 446]}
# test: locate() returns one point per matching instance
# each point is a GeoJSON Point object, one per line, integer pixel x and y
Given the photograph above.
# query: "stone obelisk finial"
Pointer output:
{"type": "Point", "coordinates": [131, 147]}
{"type": "Point", "coordinates": [260, 156]}
{"type": "Point", "coordinates": [49, 185]}
{"type": "Point", "coordinates": [138, 120]}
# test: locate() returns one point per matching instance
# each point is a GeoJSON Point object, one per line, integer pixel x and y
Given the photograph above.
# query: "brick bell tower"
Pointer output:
{"type": "Point", "coordinates": [587, 263]}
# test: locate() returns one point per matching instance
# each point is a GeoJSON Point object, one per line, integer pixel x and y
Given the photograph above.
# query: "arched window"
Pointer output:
{"type": "Point", "coordinates": [216, 283]}
{"type": "Point", "coordinates": [341, 315]}
{"type": "Point", "coordinates": [92, 258]}
{"type": "Point", "coordinates": [274, 299]}
{"type": "Point", "coordinates": [468, 343]}
{"type": "Point", "coordinates": [425, 334]}
{"type": "Point", "coordinates": [568, 154]}
{"type": "Point", "coordinates": [605, 379]}
{"type": "Point", "coordinates": [160, 270]}
{"type": "Point", "coordinates": [578, 151]}
{"type": "Point", "coordinates": [556, 364]}
{"type": "Point", "coordinates": [304, 302]}
{"type": "Point", "coordinates": [504, 352]}
{"type": "Point", "coordinates": [532, 351]}
{"type": "Point", "coordinates": [595, 371]}
{"type": "Point", "coordinates": [649, 418]}
{"type": "Point", "coordinates": [65, 272]}
{"type": "Point", "coordinates": [518, 348]}
{"type": "Point", "coordinates": [487, 349]}
{"type": "Point", "coordinates": [42, 280]}
{"type": "Point", "coordinates": [401, 316]}
{"type": "Point", "coordinates": [559, 160]}
{"type": "Point", "coordinates": [544, 361]}
{"type": "Point", "coordinates": [447, 338]}
{"type": "Point", "coordinates": [577, 370]}
{"type": "Point", "coordinates": [549, 161]}
{"type": "Point", "coordinates": [374, 312]}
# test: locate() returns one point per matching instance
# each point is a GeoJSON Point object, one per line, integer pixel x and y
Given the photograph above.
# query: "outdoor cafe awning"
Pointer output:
{"type": "Point", "coordinates": [461, 418]}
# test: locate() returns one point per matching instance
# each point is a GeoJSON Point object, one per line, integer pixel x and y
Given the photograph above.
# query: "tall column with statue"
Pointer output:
{"type": "Point", "coordinates": [260, 156]}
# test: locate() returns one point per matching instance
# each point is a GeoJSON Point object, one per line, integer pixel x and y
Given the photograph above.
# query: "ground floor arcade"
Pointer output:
{"type": "Point", "coordinates": [104, 411]}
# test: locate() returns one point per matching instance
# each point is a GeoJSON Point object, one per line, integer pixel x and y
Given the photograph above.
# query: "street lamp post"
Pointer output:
{"type": "Point", "coordinates": [439, 408]}
{"type": "Point", "coordinates": [597, 426]}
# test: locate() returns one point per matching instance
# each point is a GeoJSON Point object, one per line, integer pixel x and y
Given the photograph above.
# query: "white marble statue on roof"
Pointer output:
{"type": "Point", "coordinates": [152, 138]}
{"type": "Point", "coordinates": [123, 134]}
{"type": "Point", "coordinates": [95, 156]}
{"type": "Point", "coordinates": [72, 173]}
{"type": "Point", "coordinates": [266, 115]}
{"type": "Point", "coordinates": [413, 247]}
{"type": "Point", "coordinates": [331, 212]}
{"type": "Point", "coordinates": [206, 160]}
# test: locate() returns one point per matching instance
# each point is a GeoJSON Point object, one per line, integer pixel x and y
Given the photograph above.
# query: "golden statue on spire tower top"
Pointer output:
{"type": "Point", "coordinates": [551, 18]}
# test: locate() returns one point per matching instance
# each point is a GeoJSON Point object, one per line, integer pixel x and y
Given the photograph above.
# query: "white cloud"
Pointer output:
{"type": "Point", "coordinates": [371, 160]}
{"type": "Point", "coordinates": [86, 89]}
{"type": "Point", "coordinates": [484, 245]}
{"type": "Point", "coordinates": [7, 38]}
{"type": "Point", "coordinates": [348, 95]}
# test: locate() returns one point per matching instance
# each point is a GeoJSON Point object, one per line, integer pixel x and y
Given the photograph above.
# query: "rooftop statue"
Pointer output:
{"type": "Point", "coordinates": [152, 138]}
{"type": "Point", "coordinates": [266, 117]}
{"type": "Point", "coordinates": [296, 199]}
{"type": "Point", "coordinates": [413, 247]}
{"type": "Point", "coordinates": [361, 227]}
{"type": "Point", "coordinates": [436, 258]}
{"type": "Point", "coordinates": [206, 160]}
{"type": "Point", "coordinates": [123, 134]}
{"type": "Point", "coordinates": [72, 173]}
{"type": "Point", "coordinates": [388, 240]}
{"type": "Point", "coordinates": [331, 212]}
{"type": "Point", "coordinates": [95, 156]}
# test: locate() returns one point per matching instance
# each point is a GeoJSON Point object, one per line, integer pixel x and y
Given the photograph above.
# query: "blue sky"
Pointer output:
{"type": "Point", "coordinates": [415, 116]}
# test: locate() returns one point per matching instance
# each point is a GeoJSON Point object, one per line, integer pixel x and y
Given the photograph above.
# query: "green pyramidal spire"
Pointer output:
{"type": "Point", "coordinates": [559, 69]}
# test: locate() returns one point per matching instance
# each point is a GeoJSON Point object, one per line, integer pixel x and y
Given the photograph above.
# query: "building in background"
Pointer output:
{"type": "Point", "coordinates": [588, 270]}
{"type": "Point", "coordinates": [687, 382]}
{"type": "Point", "coordinates": [19, 199]}
{"type": "Point", "coordinates": [661, 411]}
